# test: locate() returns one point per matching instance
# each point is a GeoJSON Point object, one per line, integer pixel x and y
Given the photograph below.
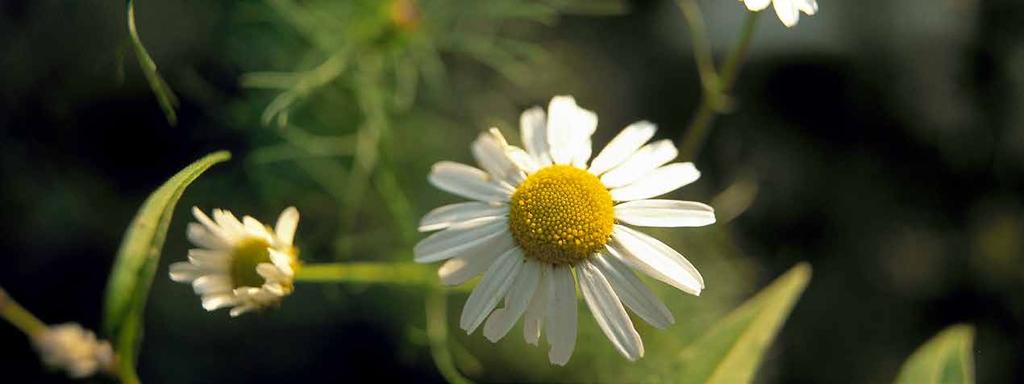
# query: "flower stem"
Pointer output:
{"type": "Point", "coordinates": [19, 316]}
{"type": "Point", "coordinates": [368, 272]}
{"type": "Point", "coordinates": [715, 97]}
{"type": "Point", "coordinates": [437, 334]}
{"type": "Point", "coordinates": [701, 45]}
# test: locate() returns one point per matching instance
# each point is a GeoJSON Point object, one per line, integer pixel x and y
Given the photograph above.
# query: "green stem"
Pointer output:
{"type": "Point", "coordinates": [714, 100]}
{"type": "Point", "coordinates": [400, 273]}
{"type": "Point", "coordinates": [701, 44]}
{"type": "Point", "coordinates": [20, 317]}
{"type": "Point", "coordinates": [437, 334]}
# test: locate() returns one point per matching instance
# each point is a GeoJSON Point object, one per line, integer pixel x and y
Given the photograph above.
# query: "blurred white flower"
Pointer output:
{"type": "Point", "coordinates": [541, 215]}
{"type": "Point", "coordinates": [71, 348]}
{"type": "Point", "coordinates": [788, 10]}
{"type": "Point", "coordinates": [243, 264]}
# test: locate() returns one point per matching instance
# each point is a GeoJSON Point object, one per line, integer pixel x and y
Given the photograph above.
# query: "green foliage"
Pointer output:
{"type": "Point", "coordinates": [168, 101]}
{"type": "Point", "coordinates": [137, 260]}
{"type": "Point", "coordinates": [733, 349]}
{"type": "Point", "coordinates": [946, 358]}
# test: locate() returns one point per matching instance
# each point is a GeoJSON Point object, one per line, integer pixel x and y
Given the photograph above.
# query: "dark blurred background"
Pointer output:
{"type": "Point", "coordinates": [885, 139]}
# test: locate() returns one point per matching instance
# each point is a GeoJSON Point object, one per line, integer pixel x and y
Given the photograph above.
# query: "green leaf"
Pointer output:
{"type": "Point", "coordinates": [137, 260]}
{"type": "Point", "coordinates": [946, 358]}
{"type": "Point", "coordinates": [733, 349]}
{"type": "Point", "coordinates": [168, 101]}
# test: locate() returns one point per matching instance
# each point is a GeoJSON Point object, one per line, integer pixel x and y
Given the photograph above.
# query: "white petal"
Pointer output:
{"type": "Point", "coordinates": [608, 311]}
{"type": "Point", "coordinates": [532, 125]}
{"type": "Point", "coordinates": [656, 259]}
{"type": "Point", "coordinates": [466, 238]}
{"type": "Point", "coordinates": [633, 293]}
{"type": "Point", "coordinates": [569, 129]}
{"type": "Point", "coordinates": [756, 5]}
{"type": "Point", "coordinates": [210, 226]}
{"type": "Point", "coordinates": [584, 148]}
{"type": "Point", "coordinates": [562, 112]}
{"type": "Point", "coordinates": [213, 302]}
{"type": "Point", "coordinates": [622, 146]}
{"type": "Point", "coordinates": [254, 227]}
{"type": "Point", "coordinates": [183, 272]}
{"type": "Point", "coordinates": [228, 222]}
{"type": "Point", "coordinates": [561, 315]}
{"type": "Point", "coordinates": [665, 213]}
{"type": "Point", "coordinates": [659, 182]}
{"type": "Point", "coordinates": [809, 7]}
{"type": "Point", "coordinates": [489, 151]}
{"type": "Point", "coordinates": [242, 309]}
{"type": "Point", "coordinates": [282, 261]}
{"type": "Point", "coordinates": [448, 215]}
{"type": "Point", "coordinates": [586, 124]}
{"type": "Point", "coordinates": [458, 270]}
{"type": "Point", "coordinates": [274, 289]}
{"type": "Point", "coordinates": [209, 259]}
{"type": "Point", "coordinates": [526, 162]}
{"type": "Point", "coordinates": [210, 284]}
{"type": "Point", "coordinates": [787, 12]}
{"type": "Point", "coordinates": [269, 271]}
{"type": "Point", "coordinates": [533, 319]}
{"type": "Point", "coordinates": [641, 163]}
{"type": "Point", "coordinates": [492, 288]}
{"type": "Point", "coordinates": [518, 298]}
{"type": "Point", "coordinates": [468, 182]}
{"type": "Point", "coordinates": [202, 237]}
{"type": "Point", "coordinates": [286, 225]}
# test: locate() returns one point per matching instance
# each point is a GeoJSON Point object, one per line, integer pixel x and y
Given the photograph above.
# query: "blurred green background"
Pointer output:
{"type": "Point", "coordinates": [882, 141]}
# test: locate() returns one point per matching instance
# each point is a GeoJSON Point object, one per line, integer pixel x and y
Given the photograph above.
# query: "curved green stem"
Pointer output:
{"type": "Point", "coordinates": [715, 99]}
{"type": "Point", "coordinates": [437, 334]}
{"type": "Point", "coordinates": [701, 44]}
{"type": "Point", "coordinates": [20, 317]}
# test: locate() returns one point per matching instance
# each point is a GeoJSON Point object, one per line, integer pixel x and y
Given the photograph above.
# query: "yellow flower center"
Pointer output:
{"type": "Point", "coordinates": [561, 215]}
{"type": "Point", "coordinates": [251, 252]}
{"type": "Point", "coordinates": [245, 257]}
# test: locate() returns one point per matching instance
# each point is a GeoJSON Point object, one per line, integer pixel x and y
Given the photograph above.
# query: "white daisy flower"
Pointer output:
{"type": "Point", "coordinates": [76, 350]}
{"type": "Point", "coordinates": [243, 264]}
{"type": "Point", "coordinates": [787, 10]}
{"type": "Point", "coordinates": [542, 214]}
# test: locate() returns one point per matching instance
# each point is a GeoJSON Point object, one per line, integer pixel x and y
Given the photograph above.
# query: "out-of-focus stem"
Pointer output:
{"type": "Point", "coordinates": [437, 334]}
{"type": "Point", "coordinates": [368, 272]}
{"type": "Point", "coordinates": [715, 100]}
{"type": "Point", "coordinates": [701, 45]}
{"type": "Point", "coordinates": [19, 316]}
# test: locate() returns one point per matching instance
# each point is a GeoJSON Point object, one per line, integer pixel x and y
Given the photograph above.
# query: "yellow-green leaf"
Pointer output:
{"type": "Point", "coordinates": [946, 359]}
{"type": "Point", "coordinates": [734, 348]}
{"type": "Point", "coordinates": [137, 259]}
{"type": "Point", "coordinates": [168, 101]}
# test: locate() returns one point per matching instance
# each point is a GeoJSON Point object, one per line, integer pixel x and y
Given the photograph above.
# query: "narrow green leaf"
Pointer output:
{"type": "Point", "coordinates": [137, 259]}
{"type": "Point", "coordinates": [946, 358]}
{"type": "Point", "coordinates": [168, 101]}
{"type": "Point", "coordinates": [734, 348]}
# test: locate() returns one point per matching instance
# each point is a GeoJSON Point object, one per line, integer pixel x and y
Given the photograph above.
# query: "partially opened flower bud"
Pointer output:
{"type": "Point", "coordinates": [73, 349]}
{"type": "Point", "coordinates": [243, 265]}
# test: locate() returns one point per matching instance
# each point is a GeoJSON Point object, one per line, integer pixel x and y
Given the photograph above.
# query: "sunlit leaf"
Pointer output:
{"type": "Point", "coordinates": [168, 101]}
{"type": "Point", "coordinates": [734, 348]}
{"type": "Point", "coordinates": [137, 260]}
{"type": "Point", "coordinates": [946, 358]}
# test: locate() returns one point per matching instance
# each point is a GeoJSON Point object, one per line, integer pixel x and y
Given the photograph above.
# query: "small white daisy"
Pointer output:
{"type": "Point", "coordinates": [76, 350]}
{"type": "Point", "coordinates": [787, 10]}
{"type": "Point", "coordinates": [243, 264]}
{"type": "Point", "coordinates": [542, 214]}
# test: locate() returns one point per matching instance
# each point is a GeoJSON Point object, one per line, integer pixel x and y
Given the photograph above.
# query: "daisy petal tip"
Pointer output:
{"type": "Point", "coordinates": [555, 359]}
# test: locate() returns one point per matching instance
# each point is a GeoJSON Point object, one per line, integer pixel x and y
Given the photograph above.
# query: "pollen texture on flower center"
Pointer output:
{"type": "Point", "coordinates": [561, 215]}
{"type": "Point", "coordinates": [246, 255]}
